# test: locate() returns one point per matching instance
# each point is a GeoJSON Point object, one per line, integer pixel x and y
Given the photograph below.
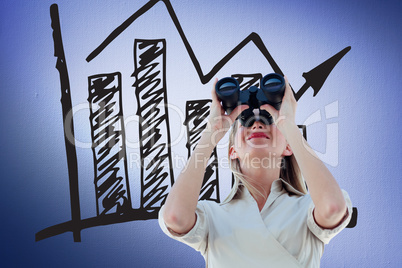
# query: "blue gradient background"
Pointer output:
{"type": "Point", "coordinates": [299, 35]}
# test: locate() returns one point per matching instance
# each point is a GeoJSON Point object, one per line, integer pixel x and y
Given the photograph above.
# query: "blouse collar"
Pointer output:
{"type": "Point", "coordinates": [276, 187]}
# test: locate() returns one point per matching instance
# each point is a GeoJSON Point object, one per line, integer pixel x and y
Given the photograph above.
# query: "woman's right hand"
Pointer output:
{"type": "Point", "coordinates": [219, 122]}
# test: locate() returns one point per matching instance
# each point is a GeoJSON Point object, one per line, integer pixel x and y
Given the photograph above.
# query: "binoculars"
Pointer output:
{"type": "Point", "coordinates": [271, 91]}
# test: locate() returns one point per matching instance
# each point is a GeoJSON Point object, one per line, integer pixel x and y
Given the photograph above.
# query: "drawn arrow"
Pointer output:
{"type": "Point", "coordinates": [317, 76]}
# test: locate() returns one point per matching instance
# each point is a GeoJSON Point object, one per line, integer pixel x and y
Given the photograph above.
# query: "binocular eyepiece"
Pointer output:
{"type": "Point", "coordinates": [271, 91]}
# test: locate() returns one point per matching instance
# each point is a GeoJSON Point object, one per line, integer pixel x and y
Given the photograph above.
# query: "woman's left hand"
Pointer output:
{"type": "Point", "coordinates": [287, 113]}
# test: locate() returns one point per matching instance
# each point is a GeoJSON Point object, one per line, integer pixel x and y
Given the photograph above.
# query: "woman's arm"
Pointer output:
{"type": "Point", "coordinates": [179, 210]}
{"type": "Point", "coordinates": [330, 205]}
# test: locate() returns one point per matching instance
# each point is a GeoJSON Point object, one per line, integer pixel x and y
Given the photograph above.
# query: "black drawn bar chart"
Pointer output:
{"type": "Point", "coordinates": [150, 90]}
{"type": "Point", "coordinates": [109, 149]}
{"type": "Point", "coordinates": [197, 113]}
{"type": "Point", "coordinates": [113, 198]}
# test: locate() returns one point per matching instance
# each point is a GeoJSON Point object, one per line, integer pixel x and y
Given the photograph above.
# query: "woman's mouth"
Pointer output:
{"type": "Point", "coordinates": [258, 135]}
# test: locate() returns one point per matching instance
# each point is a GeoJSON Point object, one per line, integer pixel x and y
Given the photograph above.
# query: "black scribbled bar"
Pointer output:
{"type": "Point", "coordinates": [303, 129]}
{"type": "Point", "coordinates": [154, 132]}
{"type": "Point", "coordinates": [197, 113]}
{"type": "Point", "coordinates": [108, 137]}
{"type": "Point", "coordinates": [247, 80]}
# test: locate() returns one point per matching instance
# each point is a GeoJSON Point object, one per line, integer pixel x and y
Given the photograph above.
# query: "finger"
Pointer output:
{"type": "Point", "coordinates": [213, 92]}
{"type": "Point", "coordinates": [287, 86]}
{"type": "Point", "coordinates": [288, 89]}
{"type": "Point", "coordinates": [237, 111]}
{"type": "Point", "coordinates": [270, 109]}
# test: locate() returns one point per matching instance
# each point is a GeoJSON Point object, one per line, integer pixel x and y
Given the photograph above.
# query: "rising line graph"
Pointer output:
{"type": "Point", "coordinates": [204, 78]}
{"type": "Point", "coordinates": [314, 78]}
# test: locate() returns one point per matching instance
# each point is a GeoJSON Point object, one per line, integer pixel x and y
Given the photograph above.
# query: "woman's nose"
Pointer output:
{"type": "Point", "coordinates": [258, 124]}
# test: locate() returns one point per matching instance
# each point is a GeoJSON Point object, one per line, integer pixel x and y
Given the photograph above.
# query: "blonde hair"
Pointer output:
{"type": "Point", "coordinates": [290, 172]}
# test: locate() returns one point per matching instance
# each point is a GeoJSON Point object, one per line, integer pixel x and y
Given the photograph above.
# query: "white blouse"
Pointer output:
{"type": "Point", "coordinates": [236, 234]}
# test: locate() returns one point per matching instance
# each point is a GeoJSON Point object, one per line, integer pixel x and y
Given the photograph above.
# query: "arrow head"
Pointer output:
{"type": "Point", "coordinates": [317, 76]}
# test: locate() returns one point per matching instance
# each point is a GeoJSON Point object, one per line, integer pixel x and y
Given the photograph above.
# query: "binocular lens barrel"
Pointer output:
{"type": "Point", "coordinates": [228, 90]}
{"type": "Point", "coordinates": [273, 85]}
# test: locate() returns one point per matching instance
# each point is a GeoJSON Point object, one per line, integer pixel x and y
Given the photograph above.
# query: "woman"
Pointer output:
{"type": "Point", "coordinates": [268, 219]}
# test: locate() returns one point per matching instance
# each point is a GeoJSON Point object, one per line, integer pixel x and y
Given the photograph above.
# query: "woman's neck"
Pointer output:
{"type": "Point", "coordinates": [261, 177]}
